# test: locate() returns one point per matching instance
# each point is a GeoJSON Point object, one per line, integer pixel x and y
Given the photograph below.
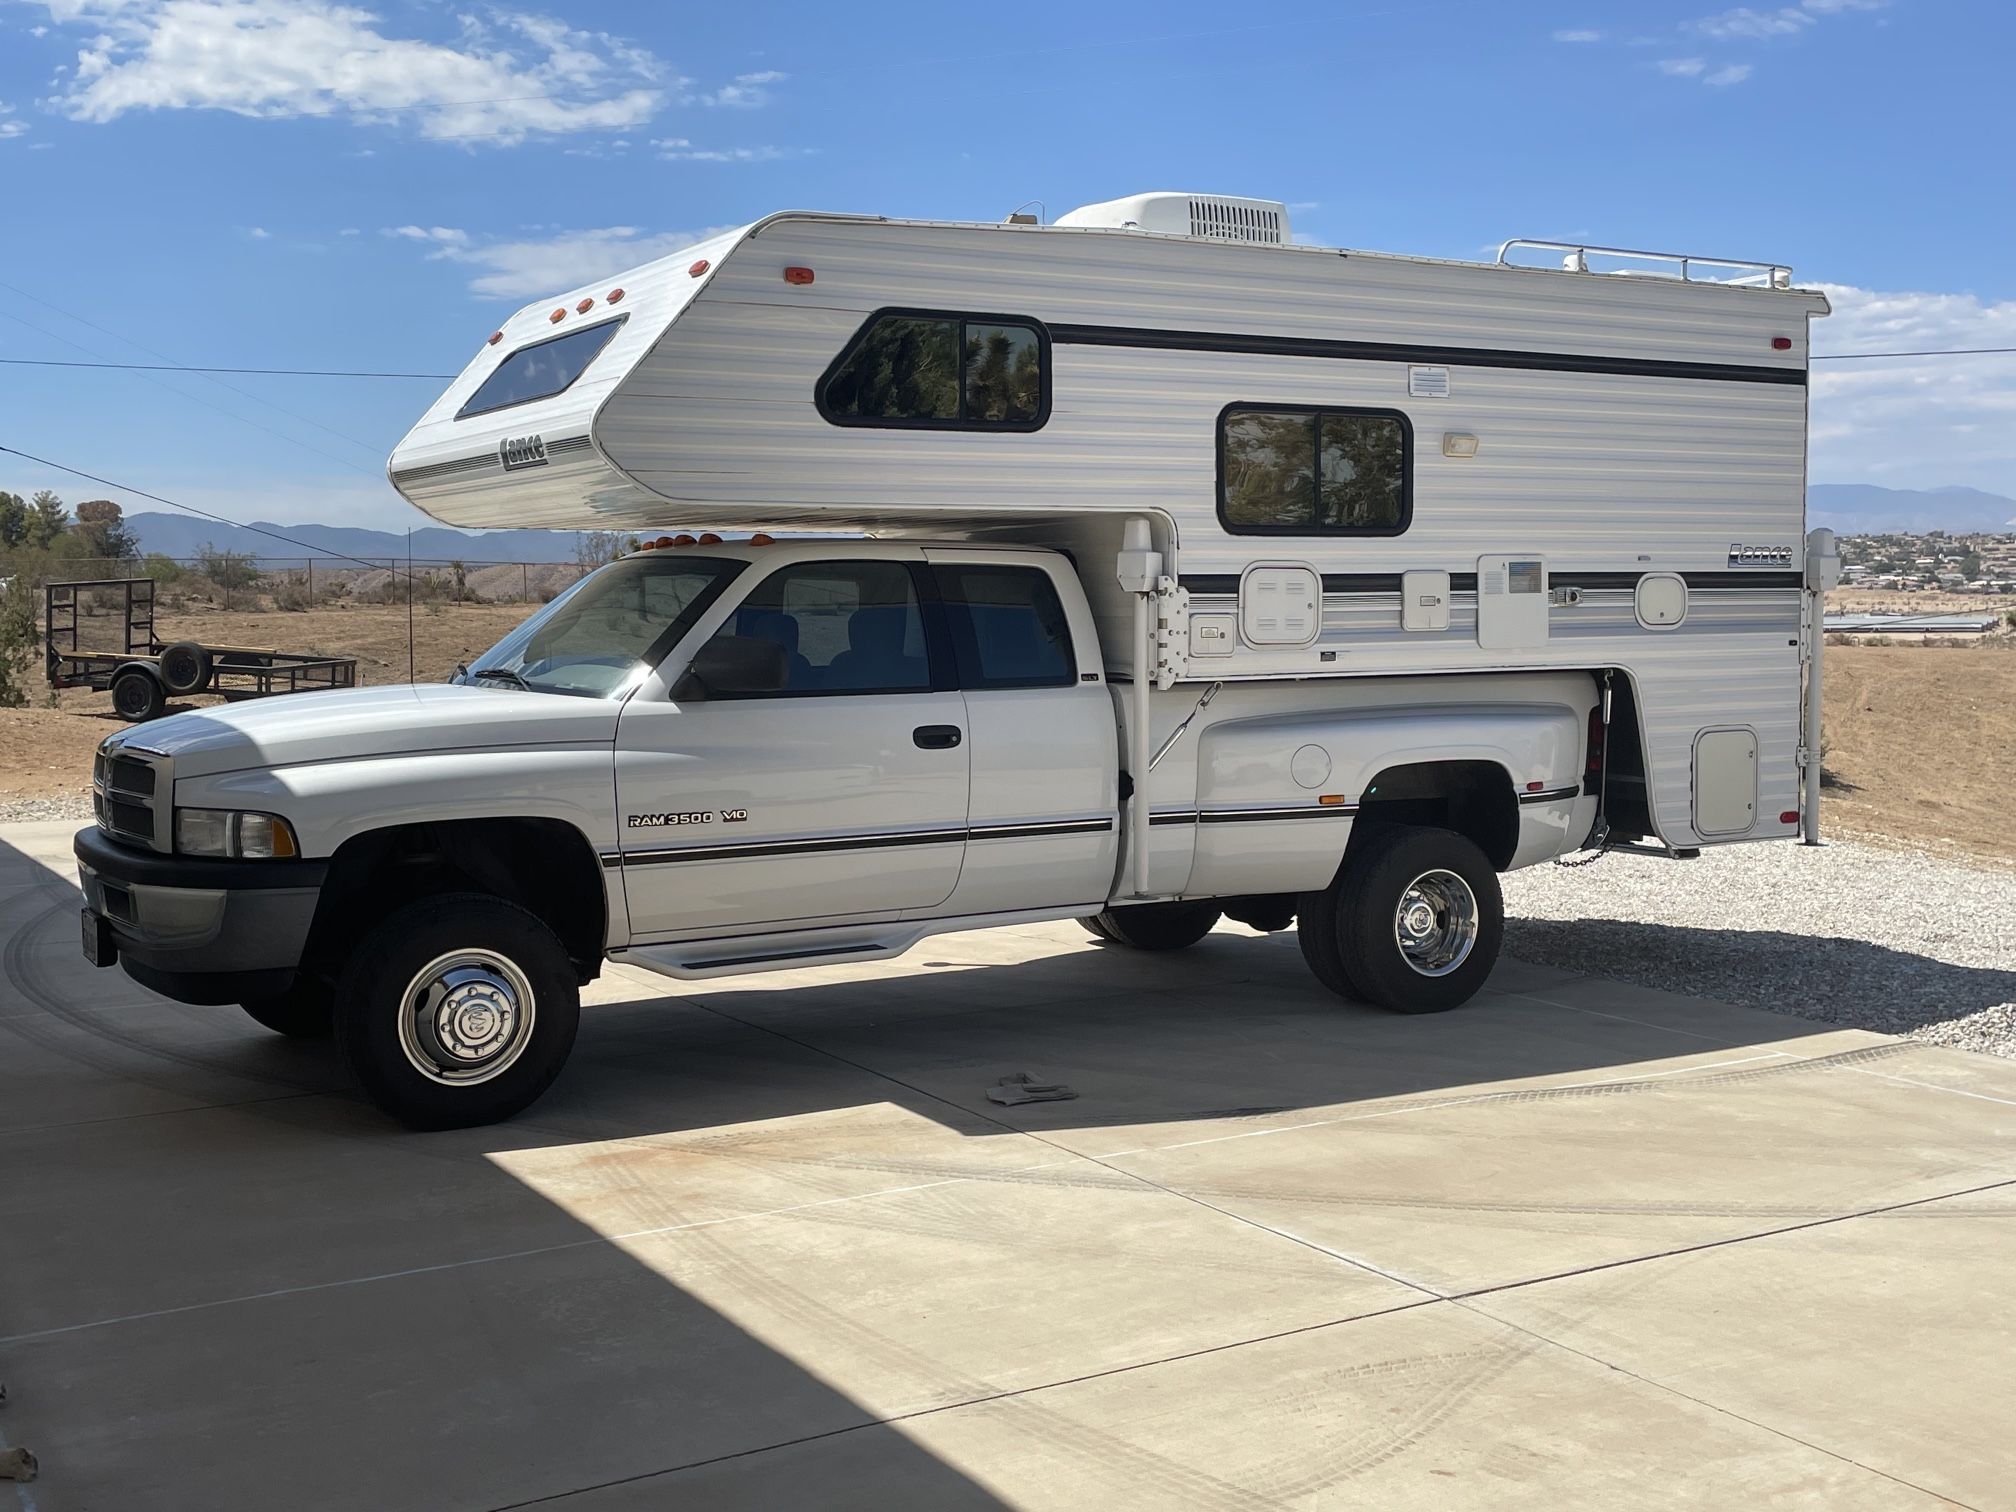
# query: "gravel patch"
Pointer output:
{"type": "Point", "coordinates": [1865, 936]}
{"type": "Point", "coordinates": [28, 810]}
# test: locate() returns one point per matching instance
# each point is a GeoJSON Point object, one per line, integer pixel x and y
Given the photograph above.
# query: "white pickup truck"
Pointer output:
{"type": "Point", "coordinates": [718, 757]}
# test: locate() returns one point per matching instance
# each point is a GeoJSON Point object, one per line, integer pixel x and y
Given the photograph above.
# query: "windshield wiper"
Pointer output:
{"type": "Point", "coordinates": [504, 672]}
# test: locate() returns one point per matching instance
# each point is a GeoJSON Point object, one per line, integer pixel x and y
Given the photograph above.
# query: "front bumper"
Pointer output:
{"type": "Point", "coordinates": [197, 930]}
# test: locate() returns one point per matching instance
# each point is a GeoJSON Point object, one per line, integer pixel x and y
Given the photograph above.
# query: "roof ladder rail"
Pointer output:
{"type": "Point", "coordinates": [1686, 266]}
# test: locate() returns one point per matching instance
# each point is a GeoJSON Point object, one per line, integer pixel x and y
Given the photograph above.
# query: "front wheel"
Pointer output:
{"type": "Point", "coordinates": [1413, 922]}
{"type": "Point", "coordinates": [1155, 926]}
{"type": "Point", "coordinates": [457, 1011]}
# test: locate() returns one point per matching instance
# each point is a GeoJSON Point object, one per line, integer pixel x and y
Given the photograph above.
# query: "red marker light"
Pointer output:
{"type": "Point", "coordinates": [663, 541]}
{"type": "Point", "coordinates": [708, 538]}
{"type": "Point", "coordinates": [699, 267]}
{"type": "Point", "coordinates": [584, 307]}
{"type": "Point", "coordinates": [1534, 787]}
{"type": "Point", "coordinates": [615, 296]}
{"type": "Point", "coordinates": [761, 539]}
{"type": "Point", "coordinates": [1790, 816]}
{"type": "Point", "coordinates": [682, 540]}
{"type": "Point", "coordinates": [558, 315]}
{"type": "Point", "coordinates": [797, 275]}
{"type": "Point", "coordinates": [1781, 343]}
{"type": "Point", "coordinates": [495, 337]}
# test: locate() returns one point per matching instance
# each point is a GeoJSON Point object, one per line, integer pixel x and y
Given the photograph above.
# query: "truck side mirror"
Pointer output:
{"type": "Point", "coordinates": [732, 666]}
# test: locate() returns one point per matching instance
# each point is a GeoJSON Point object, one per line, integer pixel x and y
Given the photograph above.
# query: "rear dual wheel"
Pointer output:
{"type": "Point", "coordinates": [1412, 923]}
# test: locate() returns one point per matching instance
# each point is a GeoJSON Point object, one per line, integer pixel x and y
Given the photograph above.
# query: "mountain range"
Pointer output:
{"type": "Point", "coordinates": [1846, 508]}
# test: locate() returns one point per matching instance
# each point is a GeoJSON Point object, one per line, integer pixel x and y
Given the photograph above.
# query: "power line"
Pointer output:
{"type": "Point", "coordinates": [176, 367]}
{"type": "Point", "coordinates": [78, 472]}
{"type": "Point", "coordinates": [1933, 352]}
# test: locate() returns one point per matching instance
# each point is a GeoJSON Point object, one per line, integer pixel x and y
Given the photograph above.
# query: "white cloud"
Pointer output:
{"type": "Point", "coordinates": [1682, 68]}
{"type": "Point", "coordinates": [1733, 73]}
{"type": "Point", "coordinates": [1578, 35]}
{"type": "Point", "coordinates": [10, 129]}
{"type": "Point", "coordinates": [1915, 422]}
{"type": "Point", "coordinates": [38, 32]}
{"type": "Point", "coordinates": [1754, 25]}
{"type": "Point", "coordinates": [748, 91]}
{"type": "Point", "coordinates": [502, 79]}
{"type": "Point", "coordinates": [529, 268]}
{"type": "Point", "coordinates": [260, 233]}
{"type": "Point", "coordinates": [446, 236]}
{"type": "Point", "coordinates": [679, 150]}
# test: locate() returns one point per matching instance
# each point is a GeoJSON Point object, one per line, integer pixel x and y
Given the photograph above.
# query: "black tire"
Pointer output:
{"type": "Point", "coordinates": [1458, 882]}
{"type": "Point", "coordinates": [137, 695]}
{"type": "Point", "coordinates": [303, 1011]}
{"type": "Point", "coordinates": [1155, 926]}
{"type": "Point", "coordinates": [1270, 913]}
{"type": "Point", "coordinates": [391, 961]}
{"type": "Point", "coordinates": [1316, 933]}
{"type": "Point", "coordinates": [1094, 925]}
{"type": "Point", "coordinates": [185, 668]}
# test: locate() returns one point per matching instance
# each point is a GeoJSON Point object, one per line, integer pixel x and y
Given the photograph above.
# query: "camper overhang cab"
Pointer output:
{"type": "Point", "coordinates": [1147, 568]}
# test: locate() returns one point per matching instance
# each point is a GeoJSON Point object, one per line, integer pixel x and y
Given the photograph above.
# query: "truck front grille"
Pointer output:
{"type": "Point", "coordinates": [122, 798]}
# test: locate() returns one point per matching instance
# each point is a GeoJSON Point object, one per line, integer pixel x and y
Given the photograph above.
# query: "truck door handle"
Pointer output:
{"type": "Point", "coordinates": [935, 737]}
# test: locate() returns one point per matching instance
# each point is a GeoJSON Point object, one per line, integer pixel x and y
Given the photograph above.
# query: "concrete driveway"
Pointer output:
{"type": "Point", "coordinates": [768, 1244]}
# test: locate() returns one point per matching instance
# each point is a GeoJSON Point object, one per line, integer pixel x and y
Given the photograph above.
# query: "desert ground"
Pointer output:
{"type": "Point", "coordinates": [1915, 751]}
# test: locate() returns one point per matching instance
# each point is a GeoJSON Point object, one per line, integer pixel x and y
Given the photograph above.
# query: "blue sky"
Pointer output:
{"type": "Point", "coordinates": [296, 183]}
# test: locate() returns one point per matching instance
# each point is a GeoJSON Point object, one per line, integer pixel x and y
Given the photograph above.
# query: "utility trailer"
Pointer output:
{"type": "Point", "coordinates": [143, 674]}
{"type": "Point", "coordinates": [1145, 569]}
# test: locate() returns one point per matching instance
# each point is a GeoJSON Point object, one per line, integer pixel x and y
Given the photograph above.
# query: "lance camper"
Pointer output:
{"type": "Point", "coordinates": [1146, 568]}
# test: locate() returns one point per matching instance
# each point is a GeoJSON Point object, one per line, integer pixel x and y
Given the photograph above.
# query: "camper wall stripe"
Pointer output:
{"type": "Point", "coordinates": [758, 848]}
{"type": "Point", "coordinates": [1439, 356]}
{"type": "Point", "coordinates": [1227, 583]}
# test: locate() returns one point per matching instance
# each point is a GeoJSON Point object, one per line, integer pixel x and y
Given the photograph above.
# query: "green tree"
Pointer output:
{"type": "Point", "coordinates": [229, 570]}
{"type": "Point", "coordinates": [13, 520]}
{"type": "Point", "coordinates": [101, 525]}
{"type": "Point", "coordinates": [17, 638]}
{"type": "Point", "coordinates": [47, 521]}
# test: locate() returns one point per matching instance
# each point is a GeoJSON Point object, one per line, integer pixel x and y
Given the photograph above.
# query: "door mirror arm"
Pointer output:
{"type": "Point", "coordinates": [732, 665]}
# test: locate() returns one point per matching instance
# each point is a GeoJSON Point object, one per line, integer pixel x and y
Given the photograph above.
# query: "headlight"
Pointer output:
{"type": "Point", "coordinates": [221, 832]}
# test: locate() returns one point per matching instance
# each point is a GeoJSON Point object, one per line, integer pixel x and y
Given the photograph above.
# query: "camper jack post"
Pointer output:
{"type": "Point", "coordinates": [1823, 571]}
{"type": "Point", "coordinates": [1139, 568]}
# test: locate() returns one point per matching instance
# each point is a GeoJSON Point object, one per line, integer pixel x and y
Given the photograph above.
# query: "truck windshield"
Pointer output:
{"type": "Point", "coordinates": [600, 636]}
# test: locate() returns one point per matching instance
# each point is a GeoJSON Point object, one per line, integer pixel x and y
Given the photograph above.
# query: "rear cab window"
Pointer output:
{"type": "Point", "coordinates": [541, 369]}
{"type": "Point", "coordinates": [1008, 626]}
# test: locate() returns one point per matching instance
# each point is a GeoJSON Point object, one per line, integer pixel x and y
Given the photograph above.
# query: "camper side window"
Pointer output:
{"type": "Point", "coordinates": [941, 371]}
{"type": "Point", "coordinates": [1287, 470]}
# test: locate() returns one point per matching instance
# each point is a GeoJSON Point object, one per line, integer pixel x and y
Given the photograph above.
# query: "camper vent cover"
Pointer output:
{"type": "Point", "coordinates": [1235, 220]}
{"type": "Point", "coordinates": [1209, 217]}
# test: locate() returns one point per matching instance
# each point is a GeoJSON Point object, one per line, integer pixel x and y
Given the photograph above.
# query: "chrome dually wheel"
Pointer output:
{"type": "Point", "coordinates": [466, 1016]}
{"type": "Point", "coordinates": [1435, 924]}
{"type": "Point", "coordinates": [457, 1010]}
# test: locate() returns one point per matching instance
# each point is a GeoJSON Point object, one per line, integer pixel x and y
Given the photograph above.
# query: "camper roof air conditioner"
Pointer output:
{"type": "Point", "coordinates": [1211, 217]}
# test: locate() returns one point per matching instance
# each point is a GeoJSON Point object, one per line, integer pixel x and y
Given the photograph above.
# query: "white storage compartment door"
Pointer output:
{"type": "Point", "coordinates": [1725, 782]}
{"type": "Point", "coordinates": [1511, 602]}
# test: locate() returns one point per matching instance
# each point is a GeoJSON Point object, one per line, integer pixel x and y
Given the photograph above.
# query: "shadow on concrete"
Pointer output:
{"type": "Point", "coordinates": [221, 1286]}
{"type": "Point", "coordinates": [1834, 980]}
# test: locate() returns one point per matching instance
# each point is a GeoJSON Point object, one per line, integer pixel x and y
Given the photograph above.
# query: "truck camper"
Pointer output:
{"type": "Point", "coordinates": [1146, 568]}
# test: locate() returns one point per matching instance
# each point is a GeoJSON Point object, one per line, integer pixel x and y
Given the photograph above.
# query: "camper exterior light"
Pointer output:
{"type": "Point", "coordinates": [584, 307]}
{"type": "Point", "coordinates": [797, 275]}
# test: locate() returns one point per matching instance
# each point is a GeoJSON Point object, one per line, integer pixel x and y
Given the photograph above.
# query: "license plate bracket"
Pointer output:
{"type": "Point", "coordinates": [99, 947]}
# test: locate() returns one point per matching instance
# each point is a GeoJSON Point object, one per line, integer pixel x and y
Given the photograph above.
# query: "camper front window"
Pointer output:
{"type": "Point", "coordinates": [1302, 471]}
{"type": "Point", "coordinates": [940, 370]}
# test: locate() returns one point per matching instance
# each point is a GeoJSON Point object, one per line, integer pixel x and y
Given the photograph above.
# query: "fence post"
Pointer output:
{"type": "Point", "coordinates": [524, 582]}
{"type": "Point", "coordinates": [311, 581]}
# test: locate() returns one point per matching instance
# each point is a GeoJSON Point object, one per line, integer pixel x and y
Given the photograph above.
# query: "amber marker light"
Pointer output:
{"type": "Point", "coordinates": [699, 267]}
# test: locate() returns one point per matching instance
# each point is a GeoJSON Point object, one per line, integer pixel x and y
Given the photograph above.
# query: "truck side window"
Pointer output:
{"type": "Point", "coordinates": [846, 627]}
{"type": "Point", "coordinates": [1008, 627]}
{"type": "Point", "coordinates": [941, 370]}
{"type": "Point", "coordinates": [1293, 470]}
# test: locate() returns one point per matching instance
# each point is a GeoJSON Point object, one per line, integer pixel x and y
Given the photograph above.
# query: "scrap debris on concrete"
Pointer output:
{"type": "Point", "coordinates": [1021, 1087]}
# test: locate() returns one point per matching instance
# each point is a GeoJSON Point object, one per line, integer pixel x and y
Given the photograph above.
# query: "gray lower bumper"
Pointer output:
{"type": "Point", "coordinates": [200, 929]}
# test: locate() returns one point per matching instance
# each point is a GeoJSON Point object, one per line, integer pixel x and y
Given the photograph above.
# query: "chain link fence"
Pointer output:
{"type": "Point", "coordinates": [237, 582]}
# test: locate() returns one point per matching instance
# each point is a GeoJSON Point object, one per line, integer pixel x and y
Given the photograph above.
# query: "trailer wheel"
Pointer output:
{"type": "Point", "coordinates": [185, 668]}
{"type": "Point", "coordinates": [137, 695]}
{"type": "Point", "coordinates": [1416, 918]}
{"type": "Point", "coordinates": [1155, 926]}
{"type": "Point", "coordinates": [303, 1011]}
{"type": "Point", "coordinates": [457, 1011]}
